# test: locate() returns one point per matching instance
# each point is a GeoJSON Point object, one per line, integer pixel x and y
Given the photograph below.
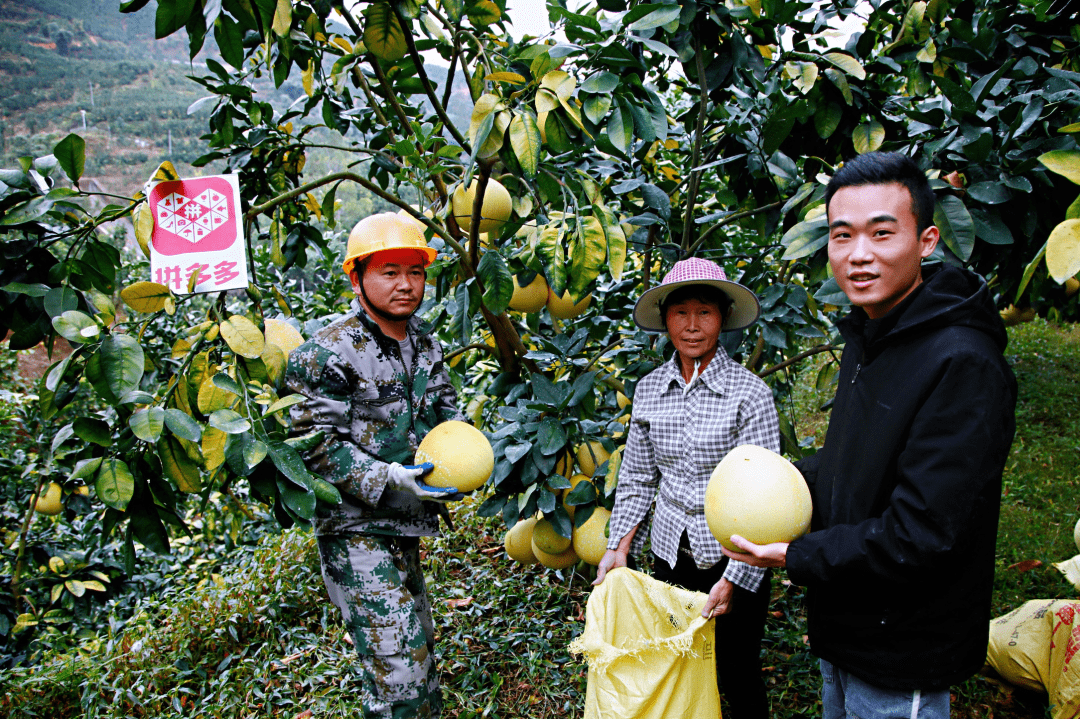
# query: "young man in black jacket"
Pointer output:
{"type": "Point", "coordinates": [899, 562]}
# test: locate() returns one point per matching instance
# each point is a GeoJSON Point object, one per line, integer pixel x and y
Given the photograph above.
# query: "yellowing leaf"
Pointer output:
{"type": "Point", "coordinates": [383, 35]}
{"type": "Point", "coordinates": [1075, 127]}
{"type": "Point", "coordinates": [484, 12]}
{"type": "Point", "coordinates": [242, 336]}
{"type": "Point", "coordinates": [213, 447]}
{"type": "Point", "coordinates": [1063, 250]}
{"type": "Point", "coordinates": [165, 171]}
{"type": "Point", "coordinates": [868, 137]}
{"type": "Point", "coordinates": [283, 335]}
{"type": "Point", "coordinates": [1063, 162]}
{"type": "Point", "coordinates": [511, 77]}
{"type": "Point", "coordinates": [525, 139]}
{"type": "Point", "coordinates": [846, 63]}
{"type": "Point", "coordinates": [307, 78]}
{"type": "Point", "coordinates": [559, 82]}
{"type": "Point", "coordinates": [178, 467]}
{"type": "Point", "coordinates": [282, 18]}
{"type": "Point", "coordinates": [802, 74]}
{"type": "Point", "coordinates": [144, 227]}
{"type": "Point", "coordinates": [212, 397]}
{"type": "Point", "coordinates": [145, 296]}
{"type": "Point", "coordinates": [274, 359]}
{"type": "Point", "coordinates": [546, 101]}
{"type": "Point", "coordinates": [487, 104]}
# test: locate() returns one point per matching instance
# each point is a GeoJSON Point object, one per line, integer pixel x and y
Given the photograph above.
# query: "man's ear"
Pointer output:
{"type": "Point", "coordinates": [928, 241]}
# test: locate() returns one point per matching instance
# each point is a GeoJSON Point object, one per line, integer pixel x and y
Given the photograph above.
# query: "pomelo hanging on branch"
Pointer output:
{"type": "Point", "coordinates": [461, 454]}
{"type": "Point", "coordinates": [495, 211]}
{"type": "Point", "coordinates": [758, 495]}
{"type": "Point", "coordinates": [518, 541]}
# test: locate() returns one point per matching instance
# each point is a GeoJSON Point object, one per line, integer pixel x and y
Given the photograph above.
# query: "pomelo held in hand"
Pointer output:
{"type": "Point", "coordinates": [461, 454]}
{"type": "Point", "coordinates": [757, 494]}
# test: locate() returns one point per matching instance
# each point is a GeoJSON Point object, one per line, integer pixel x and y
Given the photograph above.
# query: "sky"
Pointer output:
{"type": "Point", "coordinates": [528, 17]}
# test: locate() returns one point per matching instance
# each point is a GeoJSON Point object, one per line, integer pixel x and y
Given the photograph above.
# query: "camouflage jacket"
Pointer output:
{"type": "Point", "coordinates": [372, 413]}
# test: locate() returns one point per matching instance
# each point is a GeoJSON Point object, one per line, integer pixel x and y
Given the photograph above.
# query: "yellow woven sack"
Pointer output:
{"type": "Point", "coordinates": [651, 654]}
{"type": "Point", "coordinates": [1035, 646]}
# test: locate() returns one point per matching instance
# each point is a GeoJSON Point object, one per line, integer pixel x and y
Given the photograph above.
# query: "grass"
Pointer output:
{"type": "Point", "coordinates": [263, 641]}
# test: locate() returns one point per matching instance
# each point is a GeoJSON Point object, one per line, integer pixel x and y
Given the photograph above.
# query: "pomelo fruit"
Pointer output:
{"type": "Point", "coordinates": [495, 211]}
{"type": "Point", "coordinates": [589, 541]}
{"type": "Point", "coordinates": [556, 561]}
{"type": "Point", "coordinates": [518, 541]}
{"type": "Point", "coordinates": [547, 540]}
{"type": "Point", "coordinates": [590, 456]}
{"type": "Point", "coordinates": [562, 308]}
{"type": "Point", "coordinates": [49, 502]}
{"type": "Point", "coordinates": [574, 481]}
{"type": "Point", "coordinates": [758, 495]}
{"type": "Point", "coordinates": [461, 454]}
{"type": "Point", "coordinates": [530, 298]}
{"type": "Point", "coordinates": [1076, 535]}
{"type": "Point", "coordinates": [564, 465]}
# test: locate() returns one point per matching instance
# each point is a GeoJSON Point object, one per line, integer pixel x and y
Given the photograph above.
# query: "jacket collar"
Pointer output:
{"type": "Point", "coordinates": [712, 377]}
{"type": "Point", "coordinates": [415, 326]}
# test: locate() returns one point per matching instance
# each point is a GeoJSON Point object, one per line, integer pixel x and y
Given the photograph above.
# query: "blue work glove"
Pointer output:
{"type": "Point", "coordinates": [407, 479]}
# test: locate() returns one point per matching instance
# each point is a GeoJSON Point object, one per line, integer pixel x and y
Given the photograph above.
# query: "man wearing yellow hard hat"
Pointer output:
{"type": "Point", "coordinates": [374, 384]}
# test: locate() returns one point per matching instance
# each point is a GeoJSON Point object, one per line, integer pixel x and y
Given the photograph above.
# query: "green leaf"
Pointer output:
{"type": "Point", "coordinates": [85, 469]}
{"type": "Point", "coordinates": [93, 430]}
{"type": "Point", "coordinates": [71, 154]}
{"type": "Point", "coordinates": [868, 137]}
{"type": "Point", "coordinates": [36, 290]}
{"type": "Point", "coordinates": [956, 226]}
{"type": "Point", "coordinates": [1063, 250]}
{"type": "Point", "coordinates": [961, 99]}
{"type": "Point", "coordinates": [551, 437]}
{"type": "Point", "coordinates": [1029, 271]}
{"type": "Point", "coordinates": [601, 83]}
{"type": "Point", "coordinates": [595, 107]}
{"type": "Point", "coordinates": [229, 421]}
{"type": "Point", "coordinates": [298, 500]}
{"type": "Point", "coordinates": [114, 484]}
{"type": "Point", "coordinates": [497, 280]}
{"type": "Point", "coordinates": [227, 383]}
{"type": "Point", "coordinates": [587, 256]}
{"type": "Point", "coordinates": [122, 362]}
{"type": "Point", "coordinates": [620, 127]}
{"type": "Point", "coordinates": [616, 240]}
{"type": "Point", "coordinates": [656, 18]}
{"type": "Point", "coordinates": [1064, 162]}
{"type": "Point", "coordinates": [285, 403]}
{"type": "Point", "coordinates": [990, 193]}
{"type": "Point", "coordinates": [147, 424]}
{"type": "Point", "coordinates": [183, 425]}
{"type": "Point", "coordinates": [549, 250]}
{"type": "Point", "coordinates": [171, 16]}
{"type": "Point", "coordinates": [806, 238]}
{"type": "Point", "coordinates": [525, 139]}
{"type": "Point", "coordinates": [841, 84]}
{"type": "Point", "coordinates": [230, 40]}
{"type": "Point", "coordinates": [59, 300]}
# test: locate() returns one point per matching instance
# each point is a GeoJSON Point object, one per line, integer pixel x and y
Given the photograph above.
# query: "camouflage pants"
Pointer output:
{"type": "Point", "coordinates": [377, 583]}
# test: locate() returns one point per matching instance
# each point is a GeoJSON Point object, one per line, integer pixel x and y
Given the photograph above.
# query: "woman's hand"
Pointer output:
{"type": "Point", "coordinates": [612, 558]}
{"type": "Point", "coordinates": [720, 599]}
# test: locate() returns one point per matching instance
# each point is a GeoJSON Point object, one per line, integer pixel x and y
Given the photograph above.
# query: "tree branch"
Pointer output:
{"type": "Point", "coordinates": [695, 175]}
{"type": "Point", "coordinates": [419, 63]}
{"type": "Point", "coordinates": [732, 218]}
{"type": "Point", "coordinates": [384, 87]}
{"type": "Point", "coordinates": [797, 358]}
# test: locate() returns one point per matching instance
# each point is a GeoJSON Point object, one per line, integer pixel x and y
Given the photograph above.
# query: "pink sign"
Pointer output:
{"type": "Point", "coordinates": [196, 215]}
{"type": "Point", "coordinates": [197, 244]}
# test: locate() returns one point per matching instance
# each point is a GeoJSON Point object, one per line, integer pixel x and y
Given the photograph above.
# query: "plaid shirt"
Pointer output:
{"type": "Point", "coordinates": [677, 437]}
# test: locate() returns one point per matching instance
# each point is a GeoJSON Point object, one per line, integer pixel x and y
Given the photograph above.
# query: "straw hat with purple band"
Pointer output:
{"type": "Point", "coordinates": [745, 307]}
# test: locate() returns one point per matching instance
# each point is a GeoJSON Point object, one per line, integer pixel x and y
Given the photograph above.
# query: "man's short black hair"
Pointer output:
{"type": "Point", "coordinates": [883, 168]}
{"type": "Point", "coordinates": [702, 293]}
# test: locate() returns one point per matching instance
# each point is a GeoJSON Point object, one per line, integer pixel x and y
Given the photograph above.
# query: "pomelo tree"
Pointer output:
{"type": "Point", "coordinates": [633, 135]}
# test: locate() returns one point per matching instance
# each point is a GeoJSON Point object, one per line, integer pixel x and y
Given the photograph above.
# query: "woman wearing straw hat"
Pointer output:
{"type": "Point", "coordinates": [688, 414]}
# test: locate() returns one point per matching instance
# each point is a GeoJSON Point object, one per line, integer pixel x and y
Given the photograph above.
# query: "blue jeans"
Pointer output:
{"type": "Point", "coordinates": [845, 696]}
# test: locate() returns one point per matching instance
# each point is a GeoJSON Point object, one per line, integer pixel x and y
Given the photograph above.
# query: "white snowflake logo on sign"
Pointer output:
{"type": "Point", "coordinates": [192, 218]}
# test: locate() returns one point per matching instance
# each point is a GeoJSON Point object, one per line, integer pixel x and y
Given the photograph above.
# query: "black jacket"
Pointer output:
{"type": "Point", "coordinates": [899, 563]}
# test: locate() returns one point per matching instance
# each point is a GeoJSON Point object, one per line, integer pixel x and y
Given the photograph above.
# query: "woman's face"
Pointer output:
{"type": "Point", "coordinates": [694, 328]}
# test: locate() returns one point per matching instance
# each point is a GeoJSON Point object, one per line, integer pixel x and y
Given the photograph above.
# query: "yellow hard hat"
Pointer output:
{"type": "Point", "coordinates": [385, 231]}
